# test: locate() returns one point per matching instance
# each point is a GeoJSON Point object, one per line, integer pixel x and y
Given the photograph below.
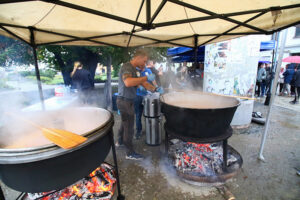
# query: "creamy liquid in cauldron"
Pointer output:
{"type": "Point", "coordinates": [17, 134]}
{"type": "Point", "coordinates": [197, 100]}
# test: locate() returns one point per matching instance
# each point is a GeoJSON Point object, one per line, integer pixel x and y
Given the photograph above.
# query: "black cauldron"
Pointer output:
{"type": "Point", "coordinates": [49, 167]}
{"type": "Point", "coordinates": [198, 115]}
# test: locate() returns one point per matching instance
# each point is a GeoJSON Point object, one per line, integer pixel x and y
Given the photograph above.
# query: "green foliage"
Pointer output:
{"type": "Point", "coordinates": [62, 57]}
{"type": "Point", "coordinates": [49, 81]}
{"type": "Point", "coordinates": [46, 73]}
{"type": "Point", "coordinates": [56, 81]}
{"type": "Point", "coordinates": [157, 54]}
{"type": "Point", "coordinates": [100, 78]}
{"type": "Point", "coordinates": [3, 84]}
{"type": "Point", "coordinates": [27, 73]}
{"type": "Point", "coordinates": [115, 73]}
{"type": "Point", "coordinates": [14, 52]}
{"type": "Point", "coordinates": [44, 79]}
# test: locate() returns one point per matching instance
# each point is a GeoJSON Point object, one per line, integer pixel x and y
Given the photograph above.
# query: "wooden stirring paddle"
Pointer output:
{"type": "Point", "coordinates": [64, 139]}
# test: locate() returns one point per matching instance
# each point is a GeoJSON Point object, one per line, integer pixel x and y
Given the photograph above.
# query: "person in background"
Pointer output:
{"type": "Point", "coordinates": [195, 76]}
{"type": "Point", "coordinates": [151, 66]}
{"type": "Point", "coordinates": [169, 78]}
{"type": "Point", "coordinates": [138, 101]}
{"type": "Point", "coordinates": [288, 76]}
{"type": "Point", "coordinates": [83, 82]}
{"type": "Point", "coordinates": [297, 85]}
{"type": "Point", "coordinates": [160, 70]}
{"type": "Point", "coordinates": [281, 79]}
{"type": "Point", "coordinates": [260, 80]}
{"type": "Point", "coordinates": [182, 76]}
{"type": "Point", "coordinates": [269, 78]}
{"type": "Point", "coordinates": [129, 80]}
{"type": "Point", "coordinates": [292, 83]}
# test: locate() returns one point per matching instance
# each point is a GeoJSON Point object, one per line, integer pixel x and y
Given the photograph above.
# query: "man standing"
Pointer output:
{"type": "Point", "coordinates": [261, 78]}
{"type": "Point", "coordinates": [288, 76]}
{"type": "Point", "coordinates": [83, 82]}
{"type": "Point", "coordinates": [129, 79]}
{"type": "Point", "coordinates": [297, 86]}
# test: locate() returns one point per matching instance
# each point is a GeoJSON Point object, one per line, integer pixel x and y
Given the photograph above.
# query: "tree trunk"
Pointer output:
{"type": "Point", "coordinates": [64, 70]}
{"type": "Point", "coordinates": [91, 62]}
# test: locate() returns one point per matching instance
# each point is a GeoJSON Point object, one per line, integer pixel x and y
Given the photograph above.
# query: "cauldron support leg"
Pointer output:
{"type": "Point", "coordinates": [225, 155]}
{"type": "Point", "coordinates": [166, 142]}
{"type": "Point", "coordinates": [21, 196]}
{"type": "Point", "coordinates": [120, 196]}
{"type": "Point", "coordinates": [1, 194]}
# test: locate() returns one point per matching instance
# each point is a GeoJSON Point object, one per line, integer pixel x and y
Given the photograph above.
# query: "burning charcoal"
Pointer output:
{"type": "Point", "coordinates": [98, 185]}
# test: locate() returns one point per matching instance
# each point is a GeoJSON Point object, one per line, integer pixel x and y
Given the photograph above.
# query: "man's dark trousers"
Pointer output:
{"type": "Point", "coordinates": [125, 134]}
{"type": "Point", "coordinates": [138, 107]}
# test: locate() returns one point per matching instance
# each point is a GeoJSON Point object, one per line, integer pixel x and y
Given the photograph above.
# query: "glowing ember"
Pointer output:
{"type": "Point", "coordinates": [100, 185]}
{"type": "Point", "coordinates": [201, 159]}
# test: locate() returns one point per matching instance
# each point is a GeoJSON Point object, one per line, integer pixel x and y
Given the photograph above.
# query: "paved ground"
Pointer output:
{"type": "Point", "coordinates": [274, 179]}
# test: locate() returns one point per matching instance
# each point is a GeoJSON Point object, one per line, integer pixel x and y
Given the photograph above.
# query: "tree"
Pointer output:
{"type": "Point", "coordinates": [14, 52]}
{"type": "Point", "coordinates": [62, 57]}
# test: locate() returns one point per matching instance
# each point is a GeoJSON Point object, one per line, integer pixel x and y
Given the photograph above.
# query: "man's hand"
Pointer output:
{"type": "Point", "coordinates": [151, 77]}
{"type": "Point", "coordinates": [160, 90]}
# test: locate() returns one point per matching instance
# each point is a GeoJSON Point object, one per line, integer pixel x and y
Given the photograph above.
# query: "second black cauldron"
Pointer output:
{"type": "Point", "coordinates": [198, 115]}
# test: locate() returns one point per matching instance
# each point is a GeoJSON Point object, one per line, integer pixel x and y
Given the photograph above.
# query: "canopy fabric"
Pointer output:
{"type": "Point", "coordinates": [143, 22]}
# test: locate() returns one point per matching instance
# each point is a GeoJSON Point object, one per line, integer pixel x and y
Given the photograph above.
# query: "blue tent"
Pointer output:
{"type": "Point", "coordinates": [264, 60]}
{"type": "Point", "coordinates": [186, 54]}
{"type": "Point", "coordinates": [180, 59]}
{"type": "Point", "coordinates": [184, 51]}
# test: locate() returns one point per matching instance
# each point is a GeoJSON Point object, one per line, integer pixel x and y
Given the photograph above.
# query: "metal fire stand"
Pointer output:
{"type": "Point", "coordinates": [171, 135]}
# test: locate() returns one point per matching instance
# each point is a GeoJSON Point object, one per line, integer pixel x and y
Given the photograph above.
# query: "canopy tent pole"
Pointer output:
{"type": "Point", "coordinates": [108, 85]}
{"type": "Point", "coordinates": [196, 49]}
{"type": "Point", "coordinates": [274, 65]}
{"type": "Point", "coordinates": [264, 136]}
{"type": "Point", "coordinates": [37, 71]}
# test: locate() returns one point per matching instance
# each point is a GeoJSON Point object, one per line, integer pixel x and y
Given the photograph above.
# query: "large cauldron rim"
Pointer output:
{"type": "Point", "coordinates": [25, 155]}
{"type": "Point", "coordinates": [238, 103]}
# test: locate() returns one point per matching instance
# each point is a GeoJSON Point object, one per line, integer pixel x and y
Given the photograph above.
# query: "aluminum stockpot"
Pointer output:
{"type": "Point", "coordinates": [152, 105]}
{"type": "Point", "coordinates": [43, 168]}
{"type": "Point", "coordinates": [153, 128]}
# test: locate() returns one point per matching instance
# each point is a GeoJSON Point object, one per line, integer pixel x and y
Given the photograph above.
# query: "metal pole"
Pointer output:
{"type": "Point", "coordinates": [148, 13]}
{"type": "Point", "coordinates": [264, 136]}
{"type": "Point", "coordinates": [113, 147]}
{"type": "Point", "coordinates": [37, 72]}
{"type": "Point", "coordinates": [109, 90]}
{"type": "Point", "coordinates": [273, 69]}
{"type": "Point", "coordinates": [225, 151]}
{"type": "Point", "coordinates": [195, 49]}
{"type": "Point", "coordinates": [1, 194]}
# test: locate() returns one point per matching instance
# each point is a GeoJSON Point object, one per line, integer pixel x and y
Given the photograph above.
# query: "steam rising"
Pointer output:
{"type": "Point", "coordinates": [19, 134]}
{"type": "Point", "coordinates": [198, 100]}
